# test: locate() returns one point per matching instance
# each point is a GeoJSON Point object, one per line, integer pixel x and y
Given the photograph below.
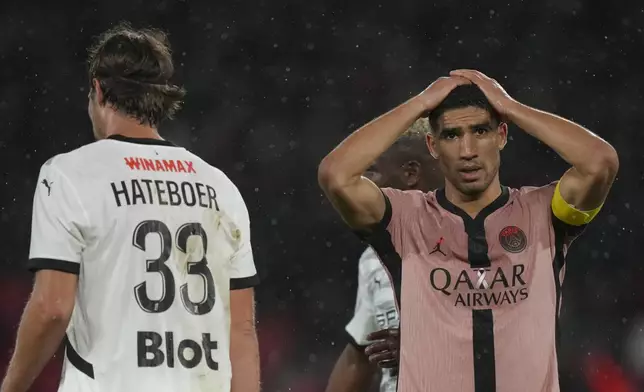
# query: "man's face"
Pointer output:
{"type": "Point", "coordinates": [467, 145]}
{"type": "Point", "coordinates": [385, 173]}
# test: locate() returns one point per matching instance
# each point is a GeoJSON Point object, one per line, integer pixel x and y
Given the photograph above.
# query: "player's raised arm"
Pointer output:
{"type": "Point", "coordinates": [357, 199]}
{"type": "Point", "coordinates": [583, 189]}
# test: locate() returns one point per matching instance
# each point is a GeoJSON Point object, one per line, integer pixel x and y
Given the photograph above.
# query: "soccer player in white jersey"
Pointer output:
{"type": "Point", "coordinates": [373, 330]}
{"type": "Point", "coordinates": [141, 250]}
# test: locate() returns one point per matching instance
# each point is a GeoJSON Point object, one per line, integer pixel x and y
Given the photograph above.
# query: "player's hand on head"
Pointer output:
{"type": "Point", "coordinates": [494, 92]}
{"type": "Point", "coordinates": [385, 349]}
{"type": "Point", "coordinates": [433, 95]}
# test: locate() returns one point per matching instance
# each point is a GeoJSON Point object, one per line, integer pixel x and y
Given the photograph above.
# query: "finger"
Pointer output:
{"type": "Point", "coordinates": [460, 80]}
{"type": "Point", "coordinates": [470, 74]}
{"type": "Point", "coordinates": [388, 364]}
{"type": "Point", "coordinates": [465, 71]}
{"type": "Point", "coordinates": [460, 72]}
{"type": "Point", "coordinates": [377, 358]}
{"type": "Point", "coordinates": [480, 74]}
{"type": "Point", "coordinates": [379, 335]}
{"type": "Point", "coordinates": [377, 348]}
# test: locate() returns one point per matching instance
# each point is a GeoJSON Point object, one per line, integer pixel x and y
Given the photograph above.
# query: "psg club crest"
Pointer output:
{"type": "Point", "coordinates": [513, 239]}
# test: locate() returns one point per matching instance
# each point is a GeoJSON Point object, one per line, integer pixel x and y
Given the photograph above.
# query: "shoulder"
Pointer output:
{"type": "Point", "coordinates": [368, 260]}
{"type": "Point", "coordinates": [62, 165]}
{"type": "Point", "coordinates": [404, 206]}
{"type": "Point", "coordinates": [534, 194]}
{"type": "Point", "coordinates": [416, 195]}
{"type": "Point", "coordinates": [369, 265]}
{"type": "Point", "coordinates": [222, 183]}
{"type": "Point", "coordinates": [410, 199]}
{"type": "Point", "coordinates": [75, 160]}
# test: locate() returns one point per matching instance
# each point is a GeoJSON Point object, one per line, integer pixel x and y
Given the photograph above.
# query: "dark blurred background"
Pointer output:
{"type": "Point", "coordinates": [274, 85]}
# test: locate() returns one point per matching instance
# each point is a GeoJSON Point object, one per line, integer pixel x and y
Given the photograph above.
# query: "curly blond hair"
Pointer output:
{"type": "Point", "coordinates": [411, 145]}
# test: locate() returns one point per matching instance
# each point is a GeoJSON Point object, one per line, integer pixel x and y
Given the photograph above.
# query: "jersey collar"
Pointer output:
{"type": "Point", "coordinates": [485, 212]}
{"type": "Point", "coordinates": [155, 142]}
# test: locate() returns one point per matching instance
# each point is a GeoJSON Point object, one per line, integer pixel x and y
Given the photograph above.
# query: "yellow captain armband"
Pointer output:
{"type": "Point", "coordinates": [569, 214]}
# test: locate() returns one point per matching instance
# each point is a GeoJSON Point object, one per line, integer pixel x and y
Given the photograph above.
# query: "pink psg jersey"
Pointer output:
{"type": "Point", "coordinates": [479, 297]}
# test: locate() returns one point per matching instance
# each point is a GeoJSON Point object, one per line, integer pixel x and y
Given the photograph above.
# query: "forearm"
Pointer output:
{"type": "Point", "coordinates": [582, 149]}
{"type": "Point", "coordinates": [244, 357]}
{"type": "Point", "coordinates": [356, 153]}
{"type": "Point", "coordinates": [352, 372]}
{"type": "Point", "coordinates": [39, 336]}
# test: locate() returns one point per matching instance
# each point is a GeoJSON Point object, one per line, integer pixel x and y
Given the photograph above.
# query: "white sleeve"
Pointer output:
{"type": "Point", "coordinates": [243, 273]}
{"type": "Point", "coordinates": [57, 220]}
{"type": "Point", "coordinates": [362, 323]}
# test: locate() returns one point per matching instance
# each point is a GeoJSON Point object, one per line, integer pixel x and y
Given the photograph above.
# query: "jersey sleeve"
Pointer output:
{"type": "Point", "coordinates": [362, 323]}
{"type": "Point", "coordinates": [568, 213]}
{"type": "Point", "coordinates": [390, 234]}
{"type": "Point", "coordinates": [243, 273]}
{"type": "Point", "coordinates": [58, 220]}
{"type": "Point", "coordinates": [390, 237]}
{"type": "Point", "coordinates": [396, 208]}
{"type": "Point", "coordinates": [562, 215]}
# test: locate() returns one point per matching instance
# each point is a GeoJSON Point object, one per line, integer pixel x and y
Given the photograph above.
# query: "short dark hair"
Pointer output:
{"type": "Point", "coordinates": [463, 96]}
{"type": "Point", "coordinates": [133, 68]}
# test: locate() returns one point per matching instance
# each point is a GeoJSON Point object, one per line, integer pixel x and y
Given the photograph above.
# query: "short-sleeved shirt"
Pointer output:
{"type": "Point", "coordinates": [375, 308]}
{"type": "Point", "coordinates": [158, 237]}
{"type": "Point", "coordinates": [480, 297]}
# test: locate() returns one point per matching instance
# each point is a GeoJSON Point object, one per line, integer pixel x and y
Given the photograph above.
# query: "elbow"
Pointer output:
{"type": "Point", "coordinates": [243, 329]}
{"type": "Point", "coordinates": [331, 178]}
{"type": "Point", "coordinates": [52, 311]}
{"type": "Point", "coordinates": [611, 160]}
{"type": "Point", "coordinates": [327, 176]}
{"type": "Point", "coordinates": [605, 163]}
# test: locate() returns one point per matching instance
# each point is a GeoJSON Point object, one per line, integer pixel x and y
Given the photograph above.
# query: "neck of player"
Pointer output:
{"type": "Point", "coordinates": [118, 124]}
{"type": "Point", "coordinates": [473, 204]}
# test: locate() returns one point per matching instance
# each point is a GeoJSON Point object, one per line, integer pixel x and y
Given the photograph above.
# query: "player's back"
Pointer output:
{"type": "Point", "coordinates": [161, 232]}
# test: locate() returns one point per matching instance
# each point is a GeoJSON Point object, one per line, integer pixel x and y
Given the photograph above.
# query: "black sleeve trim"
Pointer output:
{"type": "Point", "coordinates": [38, 264]}
{"type": "Point", "coordinates": [566, 230]}
{"type": "Point", "coordinates": [380, 226]}
{"type": "Point", "coordinates": [386, 218]}
{"type": "Point", "coordinates": [244, 283]}
{"type": "Point", "coordinates": [77, 361]}
{"type": "Point", "coordinates": [355, 344]}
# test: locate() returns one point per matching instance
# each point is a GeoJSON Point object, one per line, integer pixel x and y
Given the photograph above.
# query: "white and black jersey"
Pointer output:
{"type": "Point", "coordinates": [375, 308]}
{"type": "Point", "coordinates": [158, 237]}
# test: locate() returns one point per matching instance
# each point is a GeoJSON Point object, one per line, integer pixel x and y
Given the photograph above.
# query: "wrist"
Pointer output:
{"type": "Point", "coordinates": [513, 110]}
{"type": "Point", "coordinates": [418, 106]}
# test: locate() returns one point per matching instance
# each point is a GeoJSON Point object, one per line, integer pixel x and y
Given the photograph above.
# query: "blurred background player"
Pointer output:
{"type": "Point", "coordinates": [135, 245]}
{"type": "Point", "coordinates": [483, 264]}
{"type": "Point", "coordinates": [406, 165]}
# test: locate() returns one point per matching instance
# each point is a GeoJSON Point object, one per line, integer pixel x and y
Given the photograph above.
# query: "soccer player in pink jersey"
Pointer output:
{"type": "Point", "coordinates": [482, 264]}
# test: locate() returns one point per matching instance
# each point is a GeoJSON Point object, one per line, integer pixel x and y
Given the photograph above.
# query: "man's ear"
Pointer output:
{"type": "Point", "coordinates": [98, 91]}
{"type": "Point", "coordinates": [503, 135]}
{"type": "Point", "coordinates": [431, 145]}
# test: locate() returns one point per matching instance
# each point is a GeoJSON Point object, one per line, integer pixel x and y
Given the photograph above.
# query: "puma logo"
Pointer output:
{"type": "Point", "coordinates": [48, 185]}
